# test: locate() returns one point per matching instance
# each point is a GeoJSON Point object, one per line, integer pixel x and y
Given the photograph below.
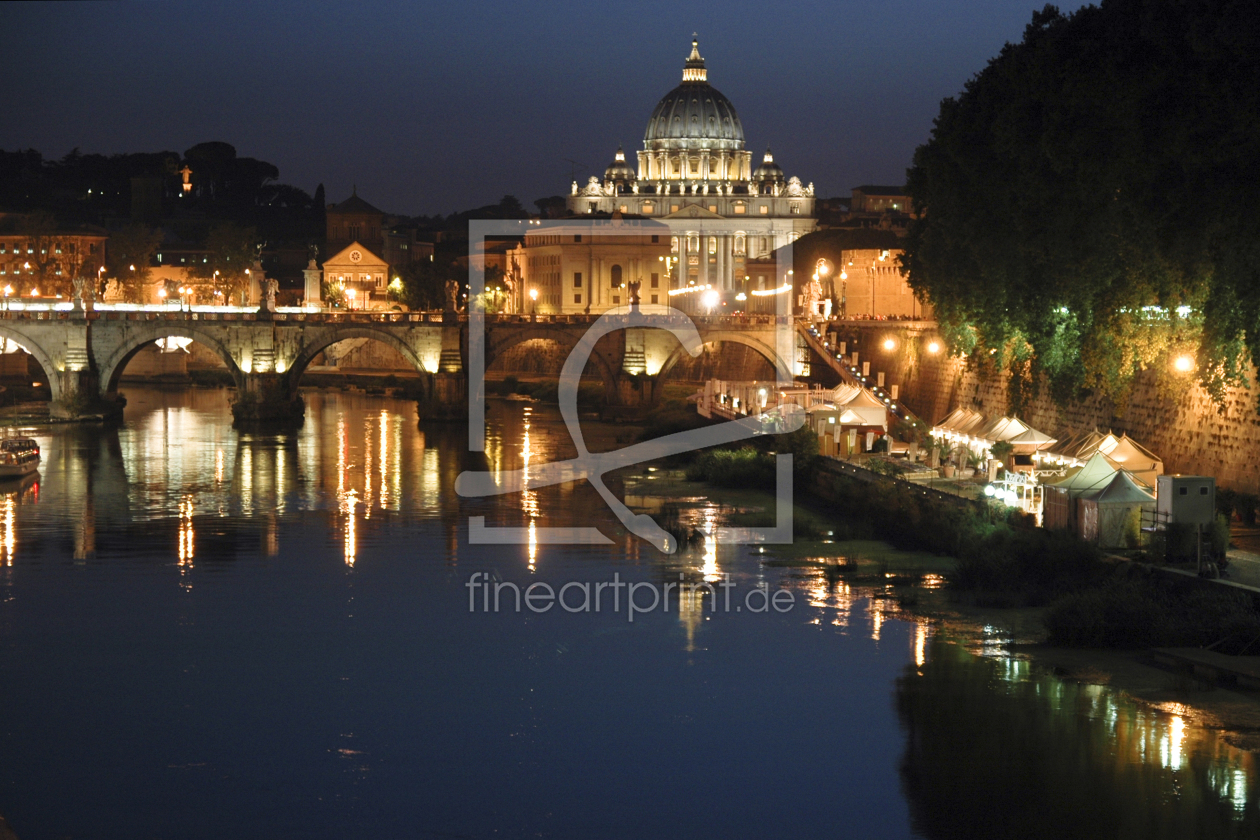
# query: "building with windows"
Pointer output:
{"type": "Point", "coordinates": [716, 207]}
{"type": "Point", "coordinates": [361, 277]}
{"type": "Point", "coordinates": [572, 269]}
{"type": "Point", "coordinates": [48, 258]}
{"type": "Point", "coordinates": [354, 221]}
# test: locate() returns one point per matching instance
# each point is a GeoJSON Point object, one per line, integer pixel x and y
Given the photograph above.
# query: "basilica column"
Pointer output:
{"type": "Point", "coordinates": [724, 282]}
{"type": "Point", "coordinates": [704, 165]}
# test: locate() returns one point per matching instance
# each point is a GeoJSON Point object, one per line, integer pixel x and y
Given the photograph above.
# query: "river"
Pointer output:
{"type": "Point", "coordinates": [209, 633]}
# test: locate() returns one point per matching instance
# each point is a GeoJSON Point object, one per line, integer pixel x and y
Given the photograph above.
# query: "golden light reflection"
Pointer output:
{"type": "Point", "coordinates": [691, 611]}
{"type": "Point", "coordinates": [218, 466]}
{"type": "Point", "coordinates": [10, 528]}
{"type": "Point", "coordinates": [247, 480]}
{"type": "Point", "coordinates": [529, 498]}
{"type": "Point", "coordinates": [384, 458]}
{"type": "Point", "coordinates": [710, 566]}
{"type": "Point", "coordinates": [921, 633]}
{"type": "Point", "coordinates": [838, 597]}
{"type": "Point", "coordinates": [348, 502]}
{"type": "Point", "coordinates": [186, 532]}
{"type": "Point", "coordinates": [367, 468]}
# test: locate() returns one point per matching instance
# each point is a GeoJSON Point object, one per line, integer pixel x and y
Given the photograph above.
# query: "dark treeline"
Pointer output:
{"type": "Point", "coordinates": [1087, 205]}
{"type": "Point", "coordinates": [107, 190]}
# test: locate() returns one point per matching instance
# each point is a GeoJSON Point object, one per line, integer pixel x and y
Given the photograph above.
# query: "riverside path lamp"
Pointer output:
{"type": "Point", "coordinates": [533, 303]}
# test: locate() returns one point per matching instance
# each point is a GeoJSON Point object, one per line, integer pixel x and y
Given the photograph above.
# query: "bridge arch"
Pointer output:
{"type": "Point", "coordinates": [40, 355]}
{"type": "Point", "coordinates": [782, 367]}
{"type": "Point", "coordinates": [111, 370]}
{"type": "Point", "coordinates": [504, 339]}
{"type": "Point", "coordinates": [318, 343]}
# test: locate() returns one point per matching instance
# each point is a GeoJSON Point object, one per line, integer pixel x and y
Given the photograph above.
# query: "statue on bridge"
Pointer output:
{"type": "Point", "coordinates": [634, 291]}
{"type": "Point", "coordinates": [270, 285]}
{"type": "Point", "coordinates": [84, 293]}
{"type": "Point", "coordinates": [452, 295]}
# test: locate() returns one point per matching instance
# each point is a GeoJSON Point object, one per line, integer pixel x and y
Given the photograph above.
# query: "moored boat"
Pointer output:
{"type": "Point", "coordinates": [18, 457]}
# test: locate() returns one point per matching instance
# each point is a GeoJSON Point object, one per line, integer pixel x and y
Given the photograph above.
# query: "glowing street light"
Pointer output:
{"type": "Point", "coordinates": [1184, 364]}
{"type": "Point", "coordinates": [889, 344]}
{"type": "Point", "coordinates": [710, 299]}
{"type": "Point", "coordinates": [934, 347]}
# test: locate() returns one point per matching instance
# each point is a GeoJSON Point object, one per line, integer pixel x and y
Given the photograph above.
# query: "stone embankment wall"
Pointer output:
{"type": "Point", "coordinates": [1179, 424]}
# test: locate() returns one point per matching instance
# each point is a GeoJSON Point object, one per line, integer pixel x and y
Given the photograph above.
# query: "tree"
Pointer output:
{"type": "Point", "coordinates": [232, 250]}
{"type": "Point", "coordinates": [56, 257]}
{"type": "Point", "coordinates": [1086, 206]}
{"type": "Point", "coordinates": [130, 253]}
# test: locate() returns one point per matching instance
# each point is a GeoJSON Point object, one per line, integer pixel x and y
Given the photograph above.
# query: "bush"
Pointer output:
{"type": "Point", "coordinates": [746, 467]}
{"type": "Point", "coordinates": [1153, 613]}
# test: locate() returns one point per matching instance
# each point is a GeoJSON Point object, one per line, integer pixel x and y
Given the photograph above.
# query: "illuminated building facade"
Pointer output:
{"type": "Point", "coordinates": [695, 175]}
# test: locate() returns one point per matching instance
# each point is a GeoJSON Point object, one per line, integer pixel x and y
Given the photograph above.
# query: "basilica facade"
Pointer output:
{"type": "Point", "coordinates": [710, 208]}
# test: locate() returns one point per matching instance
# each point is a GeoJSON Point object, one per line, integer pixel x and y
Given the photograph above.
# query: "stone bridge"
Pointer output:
{"type": "Point", "coordinates": [84, 353]}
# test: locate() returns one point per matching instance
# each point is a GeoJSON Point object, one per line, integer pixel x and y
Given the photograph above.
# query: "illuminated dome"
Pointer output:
{"type": "Point", "coordinates": [768, 171]}
{"type": "Point", "coordinates": [694, 115]}
{"type": "Point", "coordinates": [619, 170]}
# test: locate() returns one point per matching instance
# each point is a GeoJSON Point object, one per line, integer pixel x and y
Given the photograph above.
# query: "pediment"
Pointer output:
{"type": "Point", "coordinates": [346, 258]}
{"type": "Point", "coordinates": [693, 211]}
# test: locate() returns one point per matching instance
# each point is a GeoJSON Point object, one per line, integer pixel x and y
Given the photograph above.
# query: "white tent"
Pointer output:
{"type": "Point", "coordinates": [1060, 498]}
{"type": "Point", "coordinates": [1104, 513]}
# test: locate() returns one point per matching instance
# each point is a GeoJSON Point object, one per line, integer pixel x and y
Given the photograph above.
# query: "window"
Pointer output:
{"type": "Point", "coordinates": [615, 278]}
{"type": "Point", "coordinates": [673, 244]}
{"type": "Point", "coordinates": [2, 247]}
{"type": "Point", "coordinates": [625, 208]}
{"type": "Point", "coordinates": [765, 211]}
{"type": "Point", "coordinates": [739, 243]}
{"type": "Point", "coordinates": [655, 238]}
{"type": "Point", "coordinates": [354, 232]}
{"type": "Point", "coordinates": [739, 209]}
{"type": "Point", "coordinates": [693, 243]}
{"type": "Point", "coordinates": [648, 207]}
{"type": "Point", "coordinates": [656, 281]}
{"type": "Point", "coordinates": [712, 208]}
{"type": "Point", "coordinates": [577, 279]}
{"type": "Point", "coordinates": [577, 298]}
{"type": "Point", "coordinates": [654, 299]}
{"type": "Point", "coordinates": [712, 244]}
{"type": "Point", "coordinates": [673, 208]}
{"type": "Point", "coordinates": [674, 167]}
{"type": "Point", "coordinates": [591, 206]}
{"type": "Point", "coordinates": [577, 237]}
{"type": "Point", "coordinates": [380, 281]}
{"type": "Point", "coordinates": [796, 209]}
{"type": "Point", "coordinates": [616, 298]}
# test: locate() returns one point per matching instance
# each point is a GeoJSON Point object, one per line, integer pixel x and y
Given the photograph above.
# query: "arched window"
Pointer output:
{"type": "Point", "coordinates": [615, 275]}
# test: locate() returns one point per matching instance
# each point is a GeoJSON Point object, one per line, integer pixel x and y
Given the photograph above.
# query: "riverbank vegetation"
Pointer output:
{"type": "Point", "coordinates": [1089, 600]}
{"type": "Point", "coordinates": [1084, 206]}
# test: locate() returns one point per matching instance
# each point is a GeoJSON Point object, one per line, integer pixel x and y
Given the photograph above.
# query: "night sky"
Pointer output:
{"type": "Point", "coordinates": [432, 108]}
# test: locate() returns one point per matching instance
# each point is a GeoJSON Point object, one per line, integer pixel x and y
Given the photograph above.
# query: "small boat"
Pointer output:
{"type": "Point", "coordinates": [18, 457]}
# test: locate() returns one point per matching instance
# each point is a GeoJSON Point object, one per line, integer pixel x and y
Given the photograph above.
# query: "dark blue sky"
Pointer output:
{"type": "Point", "coordinates": [438, 107]}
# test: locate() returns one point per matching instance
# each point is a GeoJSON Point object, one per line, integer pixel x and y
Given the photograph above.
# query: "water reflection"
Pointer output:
{"type": "Point", "coordinates": [996, 748]}
{"type": "Point", "coordinates": [176, 461]}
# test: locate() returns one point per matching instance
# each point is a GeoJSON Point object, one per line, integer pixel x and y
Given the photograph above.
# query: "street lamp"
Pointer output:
{"type": "Point", "coordinates": [350, 295]}
{"type": "Point", "coordinates": [533, 297]}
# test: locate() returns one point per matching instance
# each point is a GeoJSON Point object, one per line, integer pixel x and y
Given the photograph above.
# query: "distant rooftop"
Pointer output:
{"type": "Point", "coordinates": [354, 204]}
{"type": "Point", "coordinates": [872, 190]}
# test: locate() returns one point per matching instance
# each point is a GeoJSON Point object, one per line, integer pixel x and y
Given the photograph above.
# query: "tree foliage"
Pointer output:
{"type": "Point", "coordinates": [1087, 205]}
{"type": "Point", "coordinates": [130, 252]}
{"type": "Point", "coordinates": [232, 250]}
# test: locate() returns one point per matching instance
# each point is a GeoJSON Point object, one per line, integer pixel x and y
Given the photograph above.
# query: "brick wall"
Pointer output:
{"type": "Point", "coordinates": [1185, 429]}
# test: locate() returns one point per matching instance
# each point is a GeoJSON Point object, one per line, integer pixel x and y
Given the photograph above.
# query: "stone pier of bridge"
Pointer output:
{"type": "Point", "coordinates": [84, 354]}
